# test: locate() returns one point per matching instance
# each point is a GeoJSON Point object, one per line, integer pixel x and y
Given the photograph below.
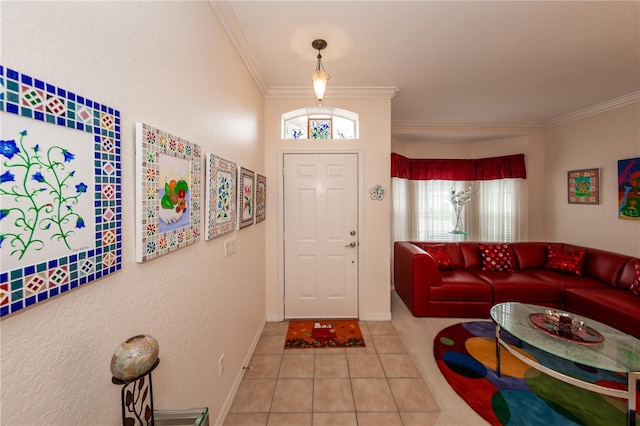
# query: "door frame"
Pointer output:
{"type": "Point", "coordinates": [360, 198]}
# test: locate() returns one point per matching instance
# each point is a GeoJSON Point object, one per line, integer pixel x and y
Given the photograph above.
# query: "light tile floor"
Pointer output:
{"type": "Point", "coordinates": [375, 385]}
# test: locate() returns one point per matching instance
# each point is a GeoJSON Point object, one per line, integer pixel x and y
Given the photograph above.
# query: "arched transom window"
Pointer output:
{"type": "Point", "coordinates": [320, 123]}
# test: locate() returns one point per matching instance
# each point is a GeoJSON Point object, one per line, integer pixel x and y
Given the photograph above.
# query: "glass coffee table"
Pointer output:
{"type": "Point", "coordinates": [602, 347]}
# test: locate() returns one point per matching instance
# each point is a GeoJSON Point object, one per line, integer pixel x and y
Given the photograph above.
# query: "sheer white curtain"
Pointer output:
{"type": "Point", "coordinates": [498, 207]}
{"type": "Point", "coordinates": [422, 210]}
{"type": "Point", "coordinates": [401, 214]}
{"type": "Point", "coordinates": [434, 214]}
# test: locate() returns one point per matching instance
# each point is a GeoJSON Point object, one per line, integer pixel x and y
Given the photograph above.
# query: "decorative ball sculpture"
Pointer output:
{"type": "Point", "coordinates": [134, 357]}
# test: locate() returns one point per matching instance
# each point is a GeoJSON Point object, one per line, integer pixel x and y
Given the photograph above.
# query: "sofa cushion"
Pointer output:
{"type": "Point", "coordinates": [461, 285]}
{"type": "Point", "coordinates": [628, 272]}
{"type": "Point", "coordinates": [440, 255]}
{"type": "Point", "coordinates": [604, 266]}
{"type": "Point", "coordinates": [521, 286]}
{"type": "Point", "coordinates": [635, 284]}
{"type": "Point", "coordinates": [565, 280]}
{"type": "Point", "coordinates": [530, 255]}
{"type": "Point", "coordinates": [456, 254]}
{"type": "Point", "coordinates": [471, 254]}
{"type": "Point", "coordinates": [565, 260]}
{"type": "Point", "coordinates": [496, 257]}
{"type": "Point", "coordinates": [615, 307]}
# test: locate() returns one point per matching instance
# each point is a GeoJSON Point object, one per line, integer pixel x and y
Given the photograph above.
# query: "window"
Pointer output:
{"type": "Point", "coordinates": [498, 210]}
{"type": "Point", "coordinates": [433, 211]}
{"type": "Point", "coordinates": [422, 210]}
{"type": "Point", "coordinates": [320, 123]}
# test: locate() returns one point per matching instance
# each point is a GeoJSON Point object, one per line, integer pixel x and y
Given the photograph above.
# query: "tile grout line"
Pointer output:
{"type": "Point", "coordinates": [395, 402]}
{"type": "Point", "coordinates": [346, 355]}
{"type": "Point", "coordinates": [277, 380]}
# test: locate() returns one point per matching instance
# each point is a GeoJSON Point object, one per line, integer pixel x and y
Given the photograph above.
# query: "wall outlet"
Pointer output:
{"type": "Point", "coordinates": [221, 365]}
{"type": "Point", "coordinates": [229, 246]}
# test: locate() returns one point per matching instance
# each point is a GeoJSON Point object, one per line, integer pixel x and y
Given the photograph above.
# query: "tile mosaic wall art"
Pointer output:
{"type": "Point", "coordinates": [168, 183]}
{"type": "Point", "coordinates": [221, 196]}
{"type": "Point", "coordinates": [583, 186]}
{"type": "Point", "coordinates": [261, 198]}
{"type": "Point", "coordinates": [60, 191]}
{"type": "Point", "coordinates": [246, 208]}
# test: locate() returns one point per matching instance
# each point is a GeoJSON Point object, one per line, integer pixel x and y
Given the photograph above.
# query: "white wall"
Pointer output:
{"type": "Point", "coordinates": [374, 145]}
{"type": "Point", "coordinates": [598, 141]}
{"type": "Point", "coordinates": [169, 64]}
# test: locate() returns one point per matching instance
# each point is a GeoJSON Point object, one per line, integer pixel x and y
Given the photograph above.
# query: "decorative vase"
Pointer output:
{"type": "Point", "coordinates": [458, 228]}
{"type": "Point", "coordinates": [134, 357]}
{"type": "Point", "coordinates": [458, 200]}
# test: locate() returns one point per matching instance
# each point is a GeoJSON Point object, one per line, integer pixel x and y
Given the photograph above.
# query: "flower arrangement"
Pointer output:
{"type": "Point", "coordinates": [458, 200]}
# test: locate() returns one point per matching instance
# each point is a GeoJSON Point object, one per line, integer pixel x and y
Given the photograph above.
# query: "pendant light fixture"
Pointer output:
{"type": "Point", "coordinates": [319, 76]}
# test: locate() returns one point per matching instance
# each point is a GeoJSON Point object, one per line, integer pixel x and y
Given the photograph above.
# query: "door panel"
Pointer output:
{"type": "Point", "coordinates": [320, 212]}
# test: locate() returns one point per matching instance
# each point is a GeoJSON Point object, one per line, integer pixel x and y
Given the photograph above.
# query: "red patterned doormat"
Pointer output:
{"type": "Point", "coordinates": [324, 334]}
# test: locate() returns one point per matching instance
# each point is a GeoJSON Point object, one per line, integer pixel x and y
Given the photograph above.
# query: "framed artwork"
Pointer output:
{"type": "Point", "coordinates": [60, 191]}
{"type": "Point", "coordinates": [583, 186]}
{"type": "Point", "coordinates": [167, 192]}
{"type": "Point", "coordinates": [221, 196]}
{"type": "Point", "coordinates": [246, 208]}
{"type": "Point", "coordinates": [261, 198]}
{"type": "Point", "coordinates": [629, 188]}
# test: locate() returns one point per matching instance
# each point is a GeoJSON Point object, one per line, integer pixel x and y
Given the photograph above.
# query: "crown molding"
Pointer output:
{"type": "Point", "coordinates": [425, 127]}
{"type": "Point", "coordinates": [354, 92]}
{"type": "Point", "coordinates": [224, 11]}
{"type": "Point", "coordinates": [231, 25]}
{"type": "Point", "coordinates": [595, 109]}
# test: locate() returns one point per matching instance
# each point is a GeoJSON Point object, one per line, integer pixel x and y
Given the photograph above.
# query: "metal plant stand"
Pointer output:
{"type": "Point", "coordinates": [137, 399]}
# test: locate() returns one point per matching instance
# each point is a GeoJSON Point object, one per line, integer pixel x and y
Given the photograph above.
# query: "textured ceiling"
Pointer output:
{"type": "Point", "coordinates": [452, 61]}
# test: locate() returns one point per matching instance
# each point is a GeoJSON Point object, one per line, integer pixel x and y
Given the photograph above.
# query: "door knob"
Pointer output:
{"type": "Point", "coordinates": [351, 244]}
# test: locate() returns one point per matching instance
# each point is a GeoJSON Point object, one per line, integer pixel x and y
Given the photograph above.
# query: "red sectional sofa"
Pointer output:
{"type": "Point", "coordinates": [456, 280]}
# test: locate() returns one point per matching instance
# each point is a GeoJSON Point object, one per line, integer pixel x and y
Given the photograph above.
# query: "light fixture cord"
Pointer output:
{"type": "Point", "coordinates": [319, 65]}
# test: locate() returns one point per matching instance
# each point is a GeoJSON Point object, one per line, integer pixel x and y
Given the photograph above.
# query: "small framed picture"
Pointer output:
{"type": "Point", "coordinates": [261, 198]}
{"type": "Point", "coordinates": [246, 206]}
{"type": "Point", "coordinates": [221, 200]}
{"type": "Point", "coordinates": [583, 186]}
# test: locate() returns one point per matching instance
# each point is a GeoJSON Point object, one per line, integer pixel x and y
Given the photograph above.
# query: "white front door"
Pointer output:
{"type": "Point", "coordinates": [320, 235]}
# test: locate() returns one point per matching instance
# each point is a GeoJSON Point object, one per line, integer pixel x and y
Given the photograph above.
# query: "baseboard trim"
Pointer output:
{"type": "Point", "coordinates": [274, 318]}
{"type": "Point", "coordinates": [236, 384]}
{"type": "Point", "coordinates": [376, 317]}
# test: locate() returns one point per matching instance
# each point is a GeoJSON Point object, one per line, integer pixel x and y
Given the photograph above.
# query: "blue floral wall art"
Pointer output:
{"type": "Point", "coordinates": [60, 191]}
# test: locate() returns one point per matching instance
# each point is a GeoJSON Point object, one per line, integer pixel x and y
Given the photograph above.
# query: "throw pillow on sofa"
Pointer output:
{"type": "Point", "coordinates": [565, 260]}
{"type": "Point", "coordinates": [440, 255]}
{"type": "Point", "coordinates": [496, 257]}
{"type": "Point", "coordinates": [635, 284]}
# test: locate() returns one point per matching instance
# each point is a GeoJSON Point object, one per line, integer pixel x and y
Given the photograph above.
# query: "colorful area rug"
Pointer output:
{"type": "Point", "coordinates": [466, 356]}
{"type": "Point", "coordinates": [324, 334]}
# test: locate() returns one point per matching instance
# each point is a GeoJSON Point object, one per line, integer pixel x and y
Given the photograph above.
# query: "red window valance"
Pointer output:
{"type": "Point", "coordinates": [508, 166]}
